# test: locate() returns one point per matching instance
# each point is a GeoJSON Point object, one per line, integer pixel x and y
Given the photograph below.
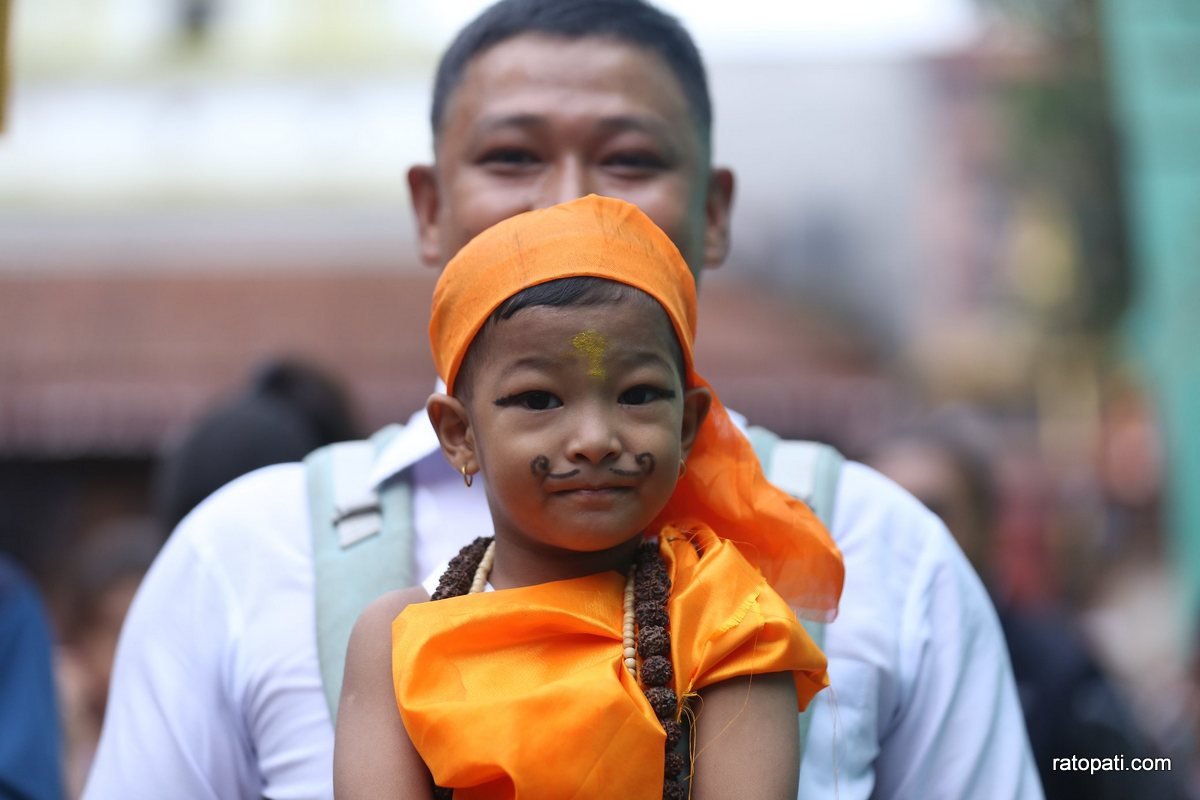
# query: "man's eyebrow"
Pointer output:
{"type": "Point", "coordinates": [646, 123]}
{"type": "Point", "coordinates": [511, 121]}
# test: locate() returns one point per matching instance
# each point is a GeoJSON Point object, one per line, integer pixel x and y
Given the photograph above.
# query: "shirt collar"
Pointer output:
{"type": "Point", "coordinates": [415, 441]}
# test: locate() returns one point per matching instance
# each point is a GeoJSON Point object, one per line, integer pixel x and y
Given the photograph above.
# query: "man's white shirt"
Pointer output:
{"type": "Point", "coordinates": [216, 691]}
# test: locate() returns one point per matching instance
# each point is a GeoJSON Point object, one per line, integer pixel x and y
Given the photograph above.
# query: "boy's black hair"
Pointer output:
{"type": "Point", "coordinates": [631, 22]}
{"type": "Point", "coordinates": [563, 293]}
{"type": "Point", "coordinates": [579, 291]}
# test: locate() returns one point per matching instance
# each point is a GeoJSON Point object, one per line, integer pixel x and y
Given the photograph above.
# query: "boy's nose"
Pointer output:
{"type": "Point", "coordinates": [595, 439]}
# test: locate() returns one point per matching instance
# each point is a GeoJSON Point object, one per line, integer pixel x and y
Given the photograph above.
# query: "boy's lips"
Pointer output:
{"type": "Point", "coordinates": [590, 487]}
{"type": "Point", "coordinates": [596, 497]}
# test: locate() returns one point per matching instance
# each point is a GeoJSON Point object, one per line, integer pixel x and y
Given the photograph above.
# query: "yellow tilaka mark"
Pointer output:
{"type": "Point", "coordinates": [592, 344]}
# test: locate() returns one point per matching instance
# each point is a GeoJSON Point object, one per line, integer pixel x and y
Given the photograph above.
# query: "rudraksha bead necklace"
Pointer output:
{"type": "Point", "coordinates": [645, 638]}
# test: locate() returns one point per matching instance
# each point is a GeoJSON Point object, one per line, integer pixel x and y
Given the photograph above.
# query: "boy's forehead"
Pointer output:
{"type": "Point", "coordinates": [633, 308]}
{"type": "Point", "coordinates": [633, 323]}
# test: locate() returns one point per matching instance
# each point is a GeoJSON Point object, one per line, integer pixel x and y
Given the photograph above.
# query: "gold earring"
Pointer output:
{"type": "Point", "coordinates": [467, 479]}
{"type": "Point", "coordinates": [682, 467]}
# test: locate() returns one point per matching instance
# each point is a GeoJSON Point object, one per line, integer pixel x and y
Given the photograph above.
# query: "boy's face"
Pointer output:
{"type": "Point", "coordinates": [578, 421]}
{"type": "Point", "coordinates": [538, 121]}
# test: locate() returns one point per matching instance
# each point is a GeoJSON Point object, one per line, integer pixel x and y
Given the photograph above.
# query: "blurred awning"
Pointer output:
{"type": "Point", "coordinates": [110, 365]}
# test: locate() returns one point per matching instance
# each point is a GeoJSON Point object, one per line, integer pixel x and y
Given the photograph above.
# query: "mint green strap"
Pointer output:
{"type": "Point", "coordinates": [362, 545]}
{"type": "Point", "coordinates": [809, 472]}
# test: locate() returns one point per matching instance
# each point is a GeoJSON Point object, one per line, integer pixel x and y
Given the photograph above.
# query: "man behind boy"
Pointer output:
{"type": "Point", "coordinates": [217, 691]}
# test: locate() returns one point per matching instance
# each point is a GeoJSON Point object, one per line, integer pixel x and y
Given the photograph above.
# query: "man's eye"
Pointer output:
{"type": "Point", "coordinates": [640, 395]}
{"type": "Point", "coordinates": [509, 157]}
{"type": "Point", "coordinates": [534, 401]}
{"type": "Point", "coordinates": [635, 161]}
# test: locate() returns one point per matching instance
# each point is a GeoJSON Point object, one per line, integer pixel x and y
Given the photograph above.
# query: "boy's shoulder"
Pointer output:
{"type": "Point", "coordinates": [389, 605]}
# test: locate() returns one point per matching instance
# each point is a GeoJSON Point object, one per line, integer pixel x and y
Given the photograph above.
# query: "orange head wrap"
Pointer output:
{"type": "Point", "coordinates": [724, 486]}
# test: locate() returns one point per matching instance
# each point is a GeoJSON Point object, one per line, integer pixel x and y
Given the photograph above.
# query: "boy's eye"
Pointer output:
{"type": "Point", "coordinates": [534, 401]}
{"type": "Point", "coordinates": [640, 395]}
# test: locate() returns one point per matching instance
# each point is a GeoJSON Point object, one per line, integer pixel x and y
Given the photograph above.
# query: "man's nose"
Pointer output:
{"type": "Point", "coordinates": [568, 180]}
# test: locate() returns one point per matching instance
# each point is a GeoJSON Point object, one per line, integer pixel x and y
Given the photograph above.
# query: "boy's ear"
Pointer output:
{"type": "Point", "coordinates": [696, 403]}
{"type": "Point", "coordinates": [453, 428]}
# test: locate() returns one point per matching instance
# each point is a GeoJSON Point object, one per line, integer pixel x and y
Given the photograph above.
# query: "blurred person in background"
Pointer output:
{"type": "Point", "coordinates": [288, 409]}
{"type": "Point", "coordinates": [1185, 735]}
{"type": "Point", "coordinates": [30, 748]}
{"type": "Point", "coordinates": [1071, 706]}
{"type": "Point", "coordinates": [101, 578]}
{"type": "Point", "coordinates": [217, 689]}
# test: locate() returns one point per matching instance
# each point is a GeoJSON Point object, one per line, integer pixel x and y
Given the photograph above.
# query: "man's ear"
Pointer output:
{"type": "Point", "coordinates": [718, 206]}
{"type": "Point", "coordinates": [696, 403]}
{"type": "Point", "coordinates": [453, 428]}
{"type": "Point", "coordinates": [426, 203]}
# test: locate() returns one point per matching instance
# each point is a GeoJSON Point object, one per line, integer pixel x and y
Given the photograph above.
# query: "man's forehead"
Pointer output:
{"type": "Point", "coordinates": [598, 49]}
{"type": "Point", "coordinates": [536, 69]}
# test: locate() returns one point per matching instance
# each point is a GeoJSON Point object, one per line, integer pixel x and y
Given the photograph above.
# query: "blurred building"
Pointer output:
{"type": "Point", "coordinates": [188, 188]}
{"type": "Point", "coordinates": [930, 209]}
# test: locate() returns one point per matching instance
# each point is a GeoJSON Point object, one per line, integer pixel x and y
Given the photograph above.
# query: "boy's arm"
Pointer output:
{"type": "Point", "coordinates": [372, 755]}
{"type": "Point", "coordinates": [747, 740]}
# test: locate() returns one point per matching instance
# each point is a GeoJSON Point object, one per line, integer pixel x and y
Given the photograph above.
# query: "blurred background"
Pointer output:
{"type": "Point", "coordinates": [968, 225]}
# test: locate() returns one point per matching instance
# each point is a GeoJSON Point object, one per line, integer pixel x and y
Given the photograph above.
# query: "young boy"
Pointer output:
{"type": "Point", "coordinates": [564, 338]}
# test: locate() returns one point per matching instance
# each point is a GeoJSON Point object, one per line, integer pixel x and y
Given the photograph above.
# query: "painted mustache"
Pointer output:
{"type": "Point", "coordinates": [540, 467]}
{"type": "Point", "coordinates": [644, 460]}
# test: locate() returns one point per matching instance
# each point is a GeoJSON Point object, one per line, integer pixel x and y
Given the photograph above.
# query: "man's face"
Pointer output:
{"type": "Point", "coordinates": [538, 121]}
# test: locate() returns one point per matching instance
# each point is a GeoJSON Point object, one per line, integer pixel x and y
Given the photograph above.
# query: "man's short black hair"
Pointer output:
{"type": "Point", "coordinates": [631, 22]}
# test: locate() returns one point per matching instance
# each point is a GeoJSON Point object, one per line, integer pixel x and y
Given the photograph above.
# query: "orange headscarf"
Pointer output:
{"type": "Point", "coordinates": [724, 486]}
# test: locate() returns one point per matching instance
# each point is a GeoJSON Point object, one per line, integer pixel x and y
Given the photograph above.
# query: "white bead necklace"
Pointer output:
{"type": "Point", "coordinates": [628, 635]}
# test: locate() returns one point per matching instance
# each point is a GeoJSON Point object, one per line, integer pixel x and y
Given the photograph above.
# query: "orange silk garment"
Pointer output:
{"type": "Point", "coordinates": [522, 693]}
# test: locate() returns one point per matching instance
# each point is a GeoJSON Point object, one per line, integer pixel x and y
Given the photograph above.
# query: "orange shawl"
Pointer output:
{"type": "Point", "coordinates": [522, 693]}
